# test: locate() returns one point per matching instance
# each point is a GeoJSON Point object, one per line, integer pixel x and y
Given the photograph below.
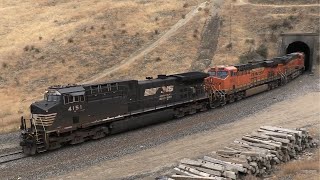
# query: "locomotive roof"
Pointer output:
{"type": "Point", "coordinates": [67, 89]}
{"type": "Point", "coordinates": [264, 63]}
{"type": "Point", "coordinates": [188, 76]}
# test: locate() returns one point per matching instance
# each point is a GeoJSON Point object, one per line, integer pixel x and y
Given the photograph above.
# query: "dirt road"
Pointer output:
{"type": "Point", "coordinates": [149, 48]}
{"type": "Point", "coordinates": [303, 111]}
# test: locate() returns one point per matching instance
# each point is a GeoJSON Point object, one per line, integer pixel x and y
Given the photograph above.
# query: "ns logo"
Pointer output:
{"type": "Point", "coordinates": [163, 90]}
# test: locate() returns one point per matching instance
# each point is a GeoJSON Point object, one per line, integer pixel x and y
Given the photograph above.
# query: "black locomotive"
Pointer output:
{"type": "Point", "coordinates": [75, 113]}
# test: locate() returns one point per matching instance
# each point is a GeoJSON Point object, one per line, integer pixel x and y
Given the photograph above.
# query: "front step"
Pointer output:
{"type": "Point", "coordinates": [41, 147]}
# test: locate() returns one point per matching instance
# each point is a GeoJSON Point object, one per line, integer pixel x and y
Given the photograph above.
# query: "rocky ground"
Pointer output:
{"type": "Point", "coordinates": [145, 152]}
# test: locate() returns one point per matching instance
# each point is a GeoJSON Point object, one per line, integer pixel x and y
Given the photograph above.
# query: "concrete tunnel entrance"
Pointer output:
{"type": "Point", "coordinates": [306, 42]}
{"type": "Point", "coordinates": [299, 46]}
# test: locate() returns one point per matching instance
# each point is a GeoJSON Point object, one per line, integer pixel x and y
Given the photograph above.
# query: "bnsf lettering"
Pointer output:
{"type": "Point", "coordinates": [153, 91]}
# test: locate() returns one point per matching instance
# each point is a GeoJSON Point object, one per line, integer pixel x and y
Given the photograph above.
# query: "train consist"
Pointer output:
{"type": "Point", "coordinates": [75, 113]}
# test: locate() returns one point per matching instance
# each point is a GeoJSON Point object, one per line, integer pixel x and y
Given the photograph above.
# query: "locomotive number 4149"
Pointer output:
{"type": "Point", "coordinates": [75, 108]}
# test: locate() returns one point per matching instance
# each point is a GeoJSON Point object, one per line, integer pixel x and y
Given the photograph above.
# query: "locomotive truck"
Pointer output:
{"type": "Point", "coordinates": [75, 113]}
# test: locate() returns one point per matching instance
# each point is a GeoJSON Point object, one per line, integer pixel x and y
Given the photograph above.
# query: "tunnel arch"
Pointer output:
{"type": "Point", "coordinates": [299, 46]}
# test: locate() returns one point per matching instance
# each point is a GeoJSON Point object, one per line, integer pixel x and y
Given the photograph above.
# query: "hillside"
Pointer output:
{"type": "Point", "coordinates": [64, 41]}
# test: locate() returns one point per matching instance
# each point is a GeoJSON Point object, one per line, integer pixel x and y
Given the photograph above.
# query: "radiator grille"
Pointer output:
{"type": "Point", "coordinates": [44, 119]}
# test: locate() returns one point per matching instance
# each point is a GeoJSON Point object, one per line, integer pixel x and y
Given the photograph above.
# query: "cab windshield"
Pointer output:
{"type": "Point", "coordinates": [212, 73]}
{"type": "Point", "coordinates": [51, 96]}
{"type": "Point", "coordinates": [222, 74]}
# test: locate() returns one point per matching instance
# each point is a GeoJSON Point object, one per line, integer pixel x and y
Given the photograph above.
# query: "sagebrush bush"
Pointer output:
{"type": "Point", "coordinates": [262, 50]}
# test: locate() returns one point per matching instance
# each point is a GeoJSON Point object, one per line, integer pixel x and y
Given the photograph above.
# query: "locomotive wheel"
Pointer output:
{"type": "Point", "coordinates": [192, 111]}
{"type": "Point", "coordinates": [204, 108]}
{"type": "Point", "coordinates": [54, 145]}
{"type": "Point", "coordinates": [180, 114]}
{"type": "Point", "coordinates": [98, 135]}
{"type": "Point", "coordinates": [77, 140]}
{"type": "Point", "coordinates": [231, 100]}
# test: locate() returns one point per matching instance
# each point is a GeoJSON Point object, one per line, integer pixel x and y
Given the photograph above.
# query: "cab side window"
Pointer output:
{"type": "Point", "coordinates": [81, 98]}
{"type": "Point", "coordinates": [66, 99]}
{"type": "Point", "coordinates": [70, 99]}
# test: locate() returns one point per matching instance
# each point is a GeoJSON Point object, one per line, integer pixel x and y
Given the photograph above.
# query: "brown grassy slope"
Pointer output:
{"type": "Point", "coordinates": [60, 42]}
{"type": "Point", "coordinates": [252, 26]}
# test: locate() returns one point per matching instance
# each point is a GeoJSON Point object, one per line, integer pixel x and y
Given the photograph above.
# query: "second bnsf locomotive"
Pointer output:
{"type": "Point", "coordinates": [75, 113]}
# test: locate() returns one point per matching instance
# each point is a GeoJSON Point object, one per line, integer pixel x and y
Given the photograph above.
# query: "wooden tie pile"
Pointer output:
{"type": "Point", "coordinates": [254, 154]}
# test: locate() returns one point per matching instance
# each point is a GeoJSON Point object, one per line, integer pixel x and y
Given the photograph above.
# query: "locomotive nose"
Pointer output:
{"type": "Point", "coordinates": [42, 107]}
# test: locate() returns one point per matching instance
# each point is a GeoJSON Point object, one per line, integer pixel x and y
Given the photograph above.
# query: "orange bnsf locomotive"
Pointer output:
{"type": "Point", "coordinates": [229, 83]}
{"type": "Point", "coordinates": [76, 113]}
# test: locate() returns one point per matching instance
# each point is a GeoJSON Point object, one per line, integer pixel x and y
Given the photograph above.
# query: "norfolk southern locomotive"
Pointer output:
{"type": "Point", "coordinates": [75, 113]}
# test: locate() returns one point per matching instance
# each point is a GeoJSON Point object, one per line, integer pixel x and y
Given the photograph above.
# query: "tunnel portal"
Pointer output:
{"type": "Point", "coordinates": [299, 46]}
{"type": "Point", "coordinates": [308, 43]}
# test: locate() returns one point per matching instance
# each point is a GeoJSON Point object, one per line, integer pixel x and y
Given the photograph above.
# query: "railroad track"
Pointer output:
{"type": "Point", "coordinates": [12, 156]}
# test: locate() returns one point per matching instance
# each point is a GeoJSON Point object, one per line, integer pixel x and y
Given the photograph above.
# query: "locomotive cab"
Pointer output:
{"type": "Point", "coordinates": [220, 77]}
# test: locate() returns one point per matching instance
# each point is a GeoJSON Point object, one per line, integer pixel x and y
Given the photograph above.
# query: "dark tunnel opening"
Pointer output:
{"type": "Point", "coordinates": [299, 46]}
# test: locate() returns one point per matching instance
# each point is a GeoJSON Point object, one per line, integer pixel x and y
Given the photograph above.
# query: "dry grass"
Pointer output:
{"type": "Point", "coordinates": [297, 166]}
{"type": "Point", "coordinates": [308, 167]}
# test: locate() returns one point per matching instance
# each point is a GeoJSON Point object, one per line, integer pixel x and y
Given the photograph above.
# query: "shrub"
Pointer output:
{"type": "Point", "coordinates": [158, 59]}
{"type": "Point", "coordinates": [250, 41]}
{"type": "Point", "coordinates": [26, 48]}
{"type": "Point", "coordinates": [248, 56]}
{"type": "Point", "coordinates": [287, 24]}
{"type": "Point", "coordinates": [104, 36]}
{"type": "Point", "coordinates": [183, 16]}
{"type": "Point", "coordinates": [229, 46]}
{"type": "Point", "coordinates": [36, 50]}
{"type": "Point", "coordinates": [92, 27]}
{"type": "Point", "coordinates": [262, 50]}
{"type": "Point", "coordinates": [4, 65]}
{"type": "Point", "coordinates": [156, 31]}
{"type": "Point", "coordinates": [206, 10]}
{"type": "Point", "coordinates": [185, 5]}
{"type": "Point", "coordinates": [292, 17]}
{"type": "Point", "coordinates": [123, 31]}
{"type": "Point", "coordinates": [40, 38]}
{"type": "Point", "coordinates": [70, 40]}
{"type": "Point", "coordinates": [274, 26]}
{"type": "Point", "coordinates": [273, 38]}
{"type": "Point", "coordinates": [199, 8]}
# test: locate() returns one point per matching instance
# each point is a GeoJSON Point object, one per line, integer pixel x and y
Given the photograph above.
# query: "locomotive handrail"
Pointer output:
{"type": "Point", "coordinates": [35, 127]}
{"type": "Point", "coordinates": [44, 130]}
